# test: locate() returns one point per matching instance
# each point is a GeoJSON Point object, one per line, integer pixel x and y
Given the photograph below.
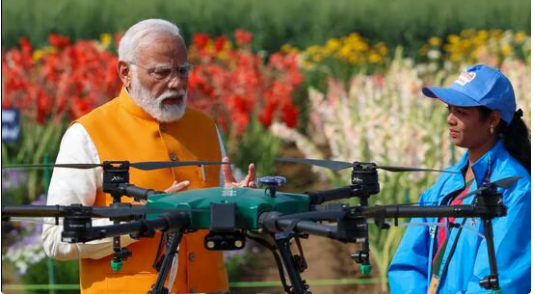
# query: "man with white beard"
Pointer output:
{"type": "Point", "coordinates": [148, 121]}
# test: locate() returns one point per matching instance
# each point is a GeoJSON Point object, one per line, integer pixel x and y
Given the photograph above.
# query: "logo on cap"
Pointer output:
{"type": "Point", "coordinates": [465, 78]}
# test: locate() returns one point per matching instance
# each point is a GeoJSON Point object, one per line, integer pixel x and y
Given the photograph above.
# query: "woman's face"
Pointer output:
{"type": "Point", "coordinates": [467, 129]}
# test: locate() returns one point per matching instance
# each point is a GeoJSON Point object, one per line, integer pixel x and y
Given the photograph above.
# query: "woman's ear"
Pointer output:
{"type": "Point", "coordinates": [124, 73]}
{"type": "Point", "coordinates": [495, 118]}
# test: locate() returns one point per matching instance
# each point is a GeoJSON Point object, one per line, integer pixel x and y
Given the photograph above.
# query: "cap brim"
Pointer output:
{"type": "Point", "coordinates": [450, 96]}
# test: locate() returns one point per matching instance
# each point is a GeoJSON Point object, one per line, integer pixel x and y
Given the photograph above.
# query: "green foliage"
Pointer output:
{"type": "Point", "coordinates": [256, 145]}
{"type": "Point", "coordinates": [300, 23]}
{"type": "Point", "coordinates": [65, 272]}
{"type": "Point", "coordinates": [236, 264]}
{"type": "Point", "coordinates": [35, 142]}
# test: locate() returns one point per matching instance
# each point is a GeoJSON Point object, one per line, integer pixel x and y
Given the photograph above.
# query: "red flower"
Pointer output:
{"type": "Point", "coordinates": [220, 43]}
{"type": "Point", "coordinates": [290, 115]}
{"type": "Point", "coordinates": [200, 41]}
{"type": "Point", "coordinates": [25, 46]}
{"type": "Point", "coordinates": [233, 88]}
{"type": "Point", "coordinates": [58, 41]}
{"type": "Point", "coordinates": [243, 37]}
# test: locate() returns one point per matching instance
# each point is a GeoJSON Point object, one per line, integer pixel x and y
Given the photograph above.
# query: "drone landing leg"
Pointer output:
{"type": "Point", "coordinates": [278, 261]}
{"type": "Point", "coordinates": [171, 250]}
{"type": "Point", "coordinates": [298, 285]}
{"type": "Point", "coordinates": [490, 281]}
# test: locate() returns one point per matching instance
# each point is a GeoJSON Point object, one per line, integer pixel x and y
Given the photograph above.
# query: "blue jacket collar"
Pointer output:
{"type": "Point", "coordinates": [482, 169]}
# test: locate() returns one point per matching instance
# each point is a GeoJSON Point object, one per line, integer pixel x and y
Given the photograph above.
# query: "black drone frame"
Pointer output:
{"type": "Point", "coordinates": [351, 221]}
{"type": "Point", "coordinates": [351, 227]}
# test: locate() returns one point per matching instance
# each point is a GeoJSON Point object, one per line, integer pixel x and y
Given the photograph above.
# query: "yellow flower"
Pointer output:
{"type": "Point", "coordinates": [475, 53]}
{"type": "Point", "coordinates": [333, 44]}
{"type": "Point", "coordinates": [361, 46]}
{"type": "Point", "coordinates": [520, 36]}
{"type": "Point", "coordinates": [375, 58]}
{"type": "Point", "coordinates": [50, 49]}
{"type": "Point", "coordinates": [468, 33]}
{"type": "Point", "coordinates": [435, 41]}
{"type": "Point", "coordinates": [317, 57]}
{"type": "Point", "coordinates": [313, 49]}
{"type": "Point", "coordinates": [286, 48]}
{"type": "Point", "coordinates": [222, 55]}
{"type": "Point", "coordinates": [105, 39]}
{"type": "Point", "coordinates": [353, 37]}
{"type": "Point", "coordinates": [506, 50]}
{"type": "Point", "coordinates": [38, 54]}
{"type": "Point", "coordinates": [381, 48]}
{"type": "Point", "coordinates": [483, 34]}
{"type": "Point", "coordinates": [496, 33]}
{"type": "Point", "coordinates": [453, 39]}
{"type": "Point", "coordinates": [346, 51]}
{"type": "Point", "coordinates": [455, 57]}
{"type": "Point", "coordinates": [465, 44]}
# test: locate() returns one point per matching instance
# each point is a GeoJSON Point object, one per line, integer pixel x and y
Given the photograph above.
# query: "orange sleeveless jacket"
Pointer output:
{"type": "Point", "coordinates": [121, 130]}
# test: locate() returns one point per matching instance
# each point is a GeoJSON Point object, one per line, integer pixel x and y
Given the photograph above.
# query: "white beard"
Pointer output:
{"type": "Point", "coordinates": [154, 105]}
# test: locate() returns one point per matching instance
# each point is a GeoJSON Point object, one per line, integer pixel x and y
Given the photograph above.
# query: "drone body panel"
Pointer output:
{"type": "Point", "coordinates": [249, 204]}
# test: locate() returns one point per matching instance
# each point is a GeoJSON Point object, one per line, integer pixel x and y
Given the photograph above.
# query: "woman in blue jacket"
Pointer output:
{"type": "Point", "coordinates": [447, 259]}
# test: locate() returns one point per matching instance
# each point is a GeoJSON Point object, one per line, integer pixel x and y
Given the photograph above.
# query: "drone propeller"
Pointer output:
{"type": "Point", "coordinates": [148, 165]}
{"type": "Point", "coordinates": [505, 182]}
{"type": "Point", "coordinates": [502, 183]}
{"type": "Point", "coordinates": [340, 165]}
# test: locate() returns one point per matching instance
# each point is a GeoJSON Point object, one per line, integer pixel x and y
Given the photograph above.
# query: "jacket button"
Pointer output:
{"type": "Point", "coordinates": [191, 256]}
{"type": "Point", "coordinates": [163, 127]}
{"type": "Point", "coordinates": [173, 157]}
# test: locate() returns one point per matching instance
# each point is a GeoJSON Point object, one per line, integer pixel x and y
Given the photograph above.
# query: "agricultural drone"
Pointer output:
{"type": "Point", "coordinates": [232, 215]}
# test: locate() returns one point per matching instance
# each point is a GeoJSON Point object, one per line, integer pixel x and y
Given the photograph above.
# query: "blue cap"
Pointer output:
{"type": "Point", "coordinates": [479, 85]}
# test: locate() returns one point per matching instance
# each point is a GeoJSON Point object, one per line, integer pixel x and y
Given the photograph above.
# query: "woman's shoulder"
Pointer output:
{"type": "Point", "coordinates": [508, 166]}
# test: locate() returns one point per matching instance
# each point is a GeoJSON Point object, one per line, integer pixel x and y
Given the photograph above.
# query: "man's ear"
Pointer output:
{"type": "Point", "coordinates": [124, 73]}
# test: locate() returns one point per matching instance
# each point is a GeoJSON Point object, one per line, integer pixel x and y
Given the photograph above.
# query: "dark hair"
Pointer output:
{"type": "Point", "coordinates": [516, 136]}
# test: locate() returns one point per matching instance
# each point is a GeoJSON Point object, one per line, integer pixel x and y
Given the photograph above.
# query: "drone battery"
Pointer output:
{"type": "Point", "coordinates": [223, 217]}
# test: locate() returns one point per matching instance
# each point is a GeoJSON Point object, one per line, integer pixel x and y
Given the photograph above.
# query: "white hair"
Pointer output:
{"type": "Point", "coordinates": [142, 33]}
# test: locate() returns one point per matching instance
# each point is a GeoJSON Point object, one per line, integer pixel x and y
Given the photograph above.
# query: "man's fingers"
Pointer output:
{"type": "Point", "coordinates": [250, 174]}
{"type": "Point", "coordinates": [182, 185]}
{"type": "Point", "coordinates": [227, 172]}
{"type": "Point", "coordinates": [177, 186]}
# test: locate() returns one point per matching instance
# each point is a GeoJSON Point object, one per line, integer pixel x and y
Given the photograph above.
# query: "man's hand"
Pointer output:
{"type": "Point", "coordinates": [248, 182]}
{"type": "Point", "coordinates": [177, 186]}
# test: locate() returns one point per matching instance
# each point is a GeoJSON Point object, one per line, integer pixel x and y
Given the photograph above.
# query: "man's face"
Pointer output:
{"type": "Point", "coordinates": [160, 77]}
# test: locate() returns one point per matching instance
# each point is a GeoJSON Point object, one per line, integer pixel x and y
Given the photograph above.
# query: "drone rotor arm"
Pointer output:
{"type": "Point", "coordinates": [331, 164]}
{"type": "Point", "coordinates": [413, 169]}
{"type": "Point", "coordinates": [32, 211]}
{"type": "Point", "coordinates": [151, 165]}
